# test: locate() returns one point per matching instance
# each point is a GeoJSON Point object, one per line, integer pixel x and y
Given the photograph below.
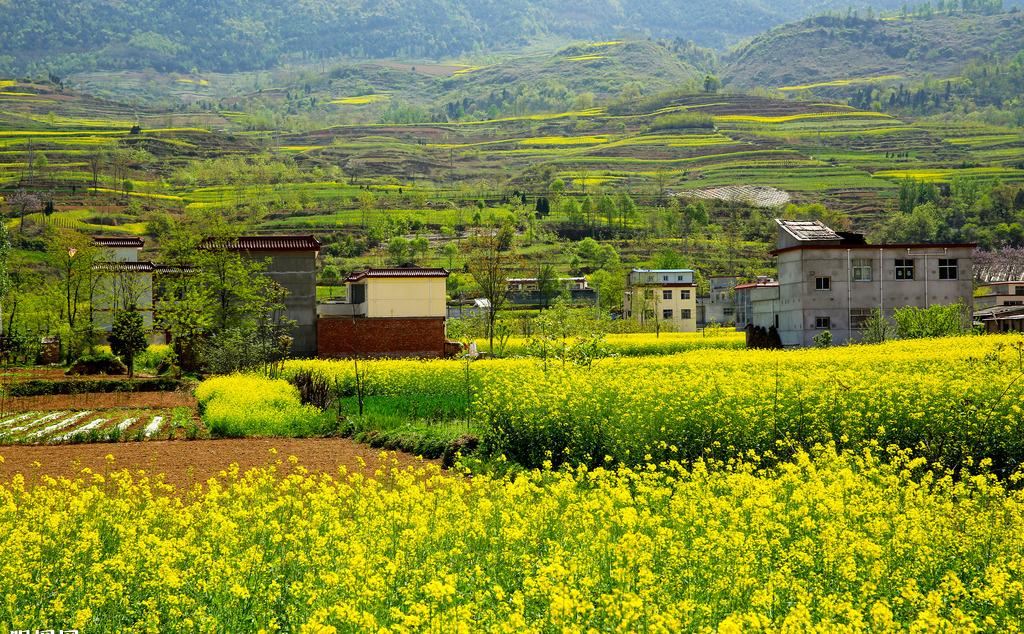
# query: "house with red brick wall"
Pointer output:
{"type": "Point", "coordinates": [392, 312]}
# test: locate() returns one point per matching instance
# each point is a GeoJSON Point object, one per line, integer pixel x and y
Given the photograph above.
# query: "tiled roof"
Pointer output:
{"type": "Point", "coordinates": [808, 230]}
{"type": "Point", "coordinates": [265, 243]}
{"type": "Point", "coordinates": [126, 267]}
{"type": "Point", "coordinates": [171, 269]}
{"type": "Point", "coordinates": [118, 242]}
{"type": "Point", "coordinates": [756, 285]}
{"type": "Point", "coordinates": [998, 312]}
{"type": "Point", "coordinates": [415, 272]}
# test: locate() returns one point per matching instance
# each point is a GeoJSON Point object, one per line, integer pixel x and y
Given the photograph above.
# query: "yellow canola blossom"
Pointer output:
{"type": "Point", "coordinates": [825, 543]}
{"type": "Point", "coordinates": [948, 399]}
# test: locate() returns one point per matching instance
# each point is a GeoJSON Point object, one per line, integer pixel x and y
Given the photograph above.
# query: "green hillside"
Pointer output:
{"type": "Point", "coordinates": [232, 35]}
{"type": "Point", "coordinates": [844, 53]}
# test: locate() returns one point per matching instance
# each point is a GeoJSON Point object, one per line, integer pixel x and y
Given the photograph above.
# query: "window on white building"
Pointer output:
{"type": "Point", "coordinates": [904, 269]}
{"type": "Point", "coordinates": [862, 270]}
{"type": "Point", "coordinates": [666, 294]}
{"type": "Point", "coordinates": [822, 323]}
{"type": "Point", "coordinates": [948, 270]}
{"type": "Point", "coordinates": [859, 317]}
{"type": "Point", "coordinates": [687, 314]}
{"type": "Point", "coordinates": [684, 294]}
{"type": "Point", "coordinates": [823, 283]}
{"type": "Point", "coordinates": [666, 314]}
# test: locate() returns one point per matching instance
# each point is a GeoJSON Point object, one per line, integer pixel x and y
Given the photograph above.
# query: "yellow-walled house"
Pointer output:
{"type": "Point", "coordinates": [667, 296]}
{"type": "Point", "coordinates": [397, 312]}
{"type": "Point", "coordinates": [408, 292]}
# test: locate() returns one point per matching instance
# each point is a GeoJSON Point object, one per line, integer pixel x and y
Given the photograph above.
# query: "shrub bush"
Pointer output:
{"type": "Point", "coordinates": [100, 363]}
{"type": "Point", "coordinates": [41, 387]}
{"type": "Point", "coordinates": [242, 405]}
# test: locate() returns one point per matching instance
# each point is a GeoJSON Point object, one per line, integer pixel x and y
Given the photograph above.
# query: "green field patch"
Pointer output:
{"type": "Point", "coordinates": [135, 194]}
{"type": "Point", "coordinates": [842, 82]}
{"type": "Point", "coordinates": [590, 112]}
{"type": "Point", "coordinates": [565, 140]}
{"type": "Point", "coordinates": [1004, 155]}
{"type": "Point", "coordinates": [946, 175]}
{"type": "Point", "coordinates": [459, 146]}
{"type": "Point", "coordinates": [802, 116]}
{"type": "Point", "coordinates": [362, 100]}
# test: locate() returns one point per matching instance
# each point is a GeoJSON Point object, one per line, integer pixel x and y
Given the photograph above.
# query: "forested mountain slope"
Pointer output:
{"type": "Point", "coordinates": [231, 35]}
{"type": "Point", "coordinates": [837, 49]}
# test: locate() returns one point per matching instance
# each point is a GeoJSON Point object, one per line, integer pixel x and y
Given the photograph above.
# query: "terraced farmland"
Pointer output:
{"type": "Point", "coordinates": [808, 151]}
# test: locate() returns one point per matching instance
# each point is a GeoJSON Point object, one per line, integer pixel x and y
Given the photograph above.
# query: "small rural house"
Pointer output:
{"type": "Point", "coordinates": [291, 261]}
{"type": "Point", "coordinates": [761, 295]}
{"type": "Point", "coordinates": [1000, 294]}
{"type": "Point", "coordinates": [665, 295]}
{"type": "Point", "coordinates": [718, 306]}
{"type": "Point", "coordinates": [525, 291]}
{"type": "Point", "coordinates": [395, 312]}
{"type": "Point", "coordinates": [123, 282]}
{"type": "Point", "coordinates": [836, 281]}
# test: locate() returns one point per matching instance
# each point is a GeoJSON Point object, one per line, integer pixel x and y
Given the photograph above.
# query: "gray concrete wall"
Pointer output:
{"type": "Point", "coordinates": [296, 272]}
{"type": "Point", "coordinates": [800, 303]}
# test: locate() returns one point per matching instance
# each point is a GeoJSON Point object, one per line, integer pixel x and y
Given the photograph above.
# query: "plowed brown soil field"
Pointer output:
{"type": "Point", "coordinates": [186, 463]}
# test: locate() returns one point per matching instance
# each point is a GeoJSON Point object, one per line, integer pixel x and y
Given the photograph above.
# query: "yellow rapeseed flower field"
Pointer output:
{"type": "Point", "coordinates": [948, 399]}
{"type": "Point", "coordinates": [824, 543]}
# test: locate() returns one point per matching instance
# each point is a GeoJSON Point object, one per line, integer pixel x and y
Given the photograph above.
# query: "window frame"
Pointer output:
{"type": "Point", "coordinates": [819, 319]}
{"type": "Point", "coordinates": [859, 266]}
{"type": "Point", "coordinates": [666, 294]}
{"type": "Point", "coordinates": [901, 268]}
{"type": "Point", "coordinates": [667, 313]}
{"type": "Point", "coordinates": [823, 278]}
{"type": "Point", "coordinates": [945, 267]}
{"type": "Point", "coordinates": [686, 313]}
{"type": "Point", "coordinates": [684, 294]}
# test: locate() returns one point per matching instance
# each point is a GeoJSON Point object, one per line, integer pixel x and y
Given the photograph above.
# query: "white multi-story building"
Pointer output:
{"type": "Point", "coordinates": [836, 281]}
{"type": "Point", "coordinates": [668, 296]}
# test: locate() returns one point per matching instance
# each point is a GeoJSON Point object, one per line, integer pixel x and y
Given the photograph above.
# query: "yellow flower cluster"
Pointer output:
{"type": "Point", "coordinates": [243, 405]}
{"type": "Point", "coordinates": [643, 344]}
{"type": "Point", "coordinates": [831, 542]}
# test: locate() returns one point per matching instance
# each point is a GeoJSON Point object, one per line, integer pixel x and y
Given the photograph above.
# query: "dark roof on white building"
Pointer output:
{"type": "Point", "coordinates": [411, 271]}
{"type": "Point", "coordinates": [118, 242]}
{"type": "Point", "coordinates": [264, 243]}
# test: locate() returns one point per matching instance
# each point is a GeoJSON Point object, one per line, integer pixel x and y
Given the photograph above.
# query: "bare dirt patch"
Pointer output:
{"type": "Point", "coordinates": [186, 463]}
{"type": "Point", "coordinates": [99, 401]}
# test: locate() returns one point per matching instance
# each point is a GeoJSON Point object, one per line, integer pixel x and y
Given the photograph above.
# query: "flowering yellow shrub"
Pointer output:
{"type": "Point", "coordinates": [836, 543]}
{"type": "Point", "coordinates": [244, 405]}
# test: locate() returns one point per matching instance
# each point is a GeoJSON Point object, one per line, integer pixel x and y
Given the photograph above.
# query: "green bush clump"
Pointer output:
{"type": "Point", "coordinates": [100, 363]}
{"type": "Point", "coordinates": [43, 387]}
{"type": "Point", "coordinates": [242, 405]}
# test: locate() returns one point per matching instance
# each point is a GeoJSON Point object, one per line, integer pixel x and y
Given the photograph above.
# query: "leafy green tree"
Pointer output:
{"type": "Point", "coordinates": [399, 252]}
{"type": "Point", "coordinates": [627, 209]}
{"type": "Point", "coordinates": [547, 284]}
{"type": "Point", "coordinates": [128, 337]}
{"type": "Point", "coordinates": [610, 285]}
{"type": "Point", "coordinates": [491, 266]}
{"type": "Point", "coordinates": [606, 207]}
{"type": "Point", "coordinates": [5, 275]}
{"type": "Point", "coordinates": [934, 321]}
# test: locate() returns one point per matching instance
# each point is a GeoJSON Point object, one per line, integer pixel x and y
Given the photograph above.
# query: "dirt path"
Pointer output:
{"type": "Point", "coordinates": [185, 463]}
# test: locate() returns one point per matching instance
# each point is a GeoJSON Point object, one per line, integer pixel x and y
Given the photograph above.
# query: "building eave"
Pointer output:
{"type": "Point", "coordinates": [871, 247]}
